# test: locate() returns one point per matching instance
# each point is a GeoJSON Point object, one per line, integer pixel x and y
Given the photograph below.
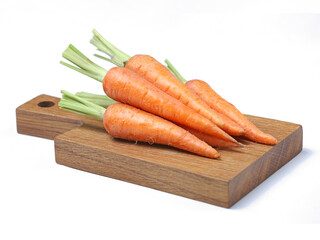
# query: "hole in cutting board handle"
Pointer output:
{"type": "Point", "coordinates": [45, 104]}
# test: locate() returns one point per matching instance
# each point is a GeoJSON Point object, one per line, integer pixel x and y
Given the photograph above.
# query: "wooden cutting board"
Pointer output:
{"type": "Point", "coordinates": [82, 143]}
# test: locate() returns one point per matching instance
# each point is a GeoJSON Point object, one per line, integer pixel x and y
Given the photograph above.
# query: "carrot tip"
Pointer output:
{"type": "Point", "coordinates": [241, 144]}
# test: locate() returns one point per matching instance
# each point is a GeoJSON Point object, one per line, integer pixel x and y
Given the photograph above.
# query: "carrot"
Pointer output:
{"type": "Point", "coordinates": [162, 78]}
{"type": "Point", "coordinates": [127, 122]}
{"type": "Point", "coordinates": [104, 101]}
{"type": "Point", "coordinates": [216, 102]}
{"type": "Point", "coordinates": [126, 86]}
{"type": "Point", "coordinates": [212, 140]}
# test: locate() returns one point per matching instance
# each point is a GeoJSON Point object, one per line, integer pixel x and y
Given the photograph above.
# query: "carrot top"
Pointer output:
{"type": "Point", "coordinates": [73, 103]}
{"type": "Point", "coordinates": [101, 100]}
{"type": "Point", "coordinates": [117, 57]}
{"type": "Point", "coordinates": [85, 65]}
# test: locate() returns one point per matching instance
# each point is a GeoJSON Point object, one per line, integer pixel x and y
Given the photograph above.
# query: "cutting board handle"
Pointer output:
{"type": "Point", "coordinates": [42, 117]}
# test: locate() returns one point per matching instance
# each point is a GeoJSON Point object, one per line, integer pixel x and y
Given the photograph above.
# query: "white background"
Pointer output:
{"type": "Point", "coordinates": [263, 56]}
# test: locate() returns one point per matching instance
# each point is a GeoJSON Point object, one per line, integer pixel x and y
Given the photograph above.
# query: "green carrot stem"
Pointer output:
{"type": "Point", "coordinates": [109, 60]}
{"type": "Point", "coordinates": [175, 71]}
{"type": "Point", "coordinates": [102, 47]}
{"type": "Point", "coordinates": [85, 65]}
{"type": "Point", "coordinates": [121, 55]}
{"type": "Point", "coordinates": [96, 42]}
{"type": "Point", "coordinates": [101, 100]}
{"type": "Point", "coordinates": [89, 74]}
{"type": "Point", "coordinates": [73, 103]}
{"type": "Point", "coordinates": [117, 57]}
{"type": "Point", "coordinates": [71, 106]}
{"type": "Point", "coordinates": [92, 95]}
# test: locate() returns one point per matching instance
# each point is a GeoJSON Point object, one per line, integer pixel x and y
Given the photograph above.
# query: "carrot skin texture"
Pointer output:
{"type": "Point", "coordinates": [162, 78]}
{"type": "Point", "coordinates": [231, 127]}
{"type": "Point", "coordinates": [127, 122]}
{"type": "Point", "coordinates": [211, 140]}
{"type": "Point", "coordinates": [215, 101]}
{"type": "Point", "coordinates": [105, 101]}
{"type": "Point", "coordinates": [126, 86]}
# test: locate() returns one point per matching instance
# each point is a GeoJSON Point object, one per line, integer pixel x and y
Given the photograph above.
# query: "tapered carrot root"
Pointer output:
{"type": "Point", "coordinates": [212, 140]}
{"type": "Point", "coordinates": [231, 127]}
{"type": "Point", "coordinates": [126, 122]}
{"type": "Point", "coordinates": [215, 101]}
{"type": "Point", "coordinates": [126, 86]}
{"type": "Point", "coordinates": [104, 100]}
{"type": "Point", "coordinates": [162, 78]}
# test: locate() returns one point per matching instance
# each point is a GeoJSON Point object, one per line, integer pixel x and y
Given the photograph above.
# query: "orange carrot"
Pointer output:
{"type": "Point", "coordinates": [211, 140]}
{"type": "Point", "coordinates": [104, 101]}
{"type": "Point", "coordinates": [162, 78]}
{"type": "Point", "coordinates": [127, 122]}
{"type": "Point", "coordinates": [126, 86]}
{"type": "Point", "coordinates": [216, 102]}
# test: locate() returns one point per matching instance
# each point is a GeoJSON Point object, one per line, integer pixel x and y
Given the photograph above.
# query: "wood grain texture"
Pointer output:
{"type": "Point", "coordinates": [82, 143]}
{"type": "Point", "coordinates": [41, 117]}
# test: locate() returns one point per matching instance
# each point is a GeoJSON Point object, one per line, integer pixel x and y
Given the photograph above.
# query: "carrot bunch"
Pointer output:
{"type": "Point", "coordinates": [104, 101]}
{"type": "Point", "coordinates": [216, 102]}
{"type": "Point", "coordinates": [127, 122]}
{"type": "Point", "coordinates": [149, 102]}
{"type": "Point", "coordinates": [233, 121]}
